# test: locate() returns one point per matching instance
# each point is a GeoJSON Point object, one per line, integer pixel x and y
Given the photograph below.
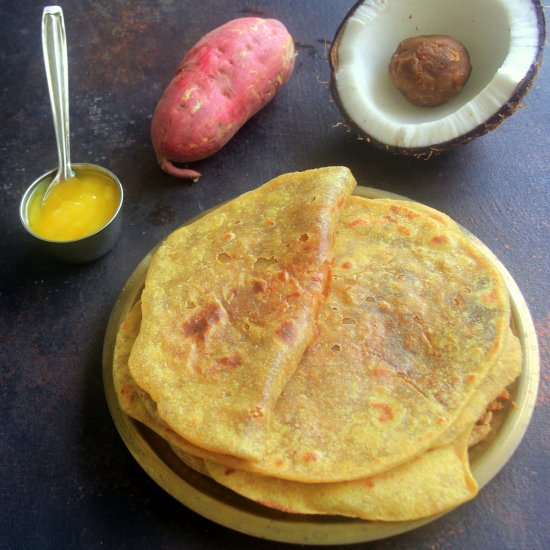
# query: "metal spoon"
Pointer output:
{"type": "Point", "coordinates": [54, 46]}
{"type": "Point", "coordinates": [89, 247]}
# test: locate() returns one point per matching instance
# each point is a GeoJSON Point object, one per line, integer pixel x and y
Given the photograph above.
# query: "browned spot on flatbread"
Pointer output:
{"type": "Point", "coordinates": [309, 457]}
{"type": "Point", "coordinates": [286, 332]}
{"type": "Point", "coordinates": [295, 289]}
{"type": "Point", "coordinates": [283, 276]}
{"type": "Point", "coordinates": [259, 286]}
{"type": "Point", "coordinates": [404, 230]}
{"type": "Point", "coordinates": [402, 211]}
{"type": "Point", "coordinates": [328, 283]}
{"type": "Point", "coordinates": [490, 297]}
{"type": "Point", "coordinates": [257, 412]}
{"type": "Point", "coordinates": [231, 361]}
{"type": "Point", "coordinates": [199, 324]}
{"type": "Point", "coordinates": [386, 412]}
{"type": "Point", "coordinates": [357, 221]}
{"type": "Point", "coordinates": [459, 301]}
{"type": "Point", "coordinates": [437, 217]}
{"type": "Point", "coordinates": [380, 370]}
{"type": "Point", "coordinates": [439, 239]}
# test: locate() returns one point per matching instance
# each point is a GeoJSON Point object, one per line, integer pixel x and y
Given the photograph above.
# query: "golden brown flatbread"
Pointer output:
{"type": "Point", "coordinates": [414, 320]}
{"type": "Point", "coordinates": [396, 337]}
{"type": "Point", "coordinates": [138, 404]}
{"type": "Point", "coordinates": [386, 374]}
{"type": "Point", "coordinates": [434, 482]}
{"type": "Point", "coordinates": [229, 307]}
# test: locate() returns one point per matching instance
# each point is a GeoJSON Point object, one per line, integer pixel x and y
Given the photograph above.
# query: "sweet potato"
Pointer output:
{"type": "Point", "coordinates": [226, 78]}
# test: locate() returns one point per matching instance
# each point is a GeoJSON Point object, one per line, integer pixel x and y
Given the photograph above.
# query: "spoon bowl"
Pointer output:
{"type": "Point", "coordinates": [85, 249]}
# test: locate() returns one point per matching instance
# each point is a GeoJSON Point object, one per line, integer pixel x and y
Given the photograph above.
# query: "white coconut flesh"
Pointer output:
{"type": "Point", "coordinates": [501, 36]}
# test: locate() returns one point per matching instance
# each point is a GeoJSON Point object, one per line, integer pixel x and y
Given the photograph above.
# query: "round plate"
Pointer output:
{"type": "Point", "coordinates": [207, 498]}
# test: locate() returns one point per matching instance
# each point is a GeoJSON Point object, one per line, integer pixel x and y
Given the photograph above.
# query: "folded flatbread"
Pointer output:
{"type": "Point", "coordinates": [303, 358]}
{"type": "Point", "coordinates": [415, 319]}
{"type": "Point", "coordinates": [436, 481]}
{"type": "Point", "coordinates": [229, 308]}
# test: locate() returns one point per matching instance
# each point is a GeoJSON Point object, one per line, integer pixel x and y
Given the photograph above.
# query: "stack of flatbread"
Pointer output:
{"type": "Point", "coordinates": [321, 353]}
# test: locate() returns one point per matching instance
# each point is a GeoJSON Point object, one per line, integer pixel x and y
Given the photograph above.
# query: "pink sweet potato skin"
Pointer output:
{"type": "Point", "coordinates": [226, 78]}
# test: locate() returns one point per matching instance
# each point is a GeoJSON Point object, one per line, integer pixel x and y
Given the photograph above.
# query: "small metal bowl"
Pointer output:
{"type": "Point", "coordinates": [85, 249]}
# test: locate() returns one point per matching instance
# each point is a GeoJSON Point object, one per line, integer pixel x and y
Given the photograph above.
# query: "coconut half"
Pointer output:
{"type": "Point", "coordinates": [505, 41]}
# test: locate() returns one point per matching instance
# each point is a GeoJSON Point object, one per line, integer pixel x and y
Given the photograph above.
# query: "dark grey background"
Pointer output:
{"type": "Point", "coordinates": [66, 478]}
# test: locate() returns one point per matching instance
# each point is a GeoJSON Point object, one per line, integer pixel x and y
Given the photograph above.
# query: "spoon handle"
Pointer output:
{"type": "Point", "coordinates": [54, 46]}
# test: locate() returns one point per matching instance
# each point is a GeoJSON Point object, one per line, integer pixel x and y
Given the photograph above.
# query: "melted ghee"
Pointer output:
{"type": "Point", "coordinates": [75, 208]}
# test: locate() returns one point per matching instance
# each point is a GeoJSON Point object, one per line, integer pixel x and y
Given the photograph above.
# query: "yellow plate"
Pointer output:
{"type": "Point", "coordinates": [207, 498]}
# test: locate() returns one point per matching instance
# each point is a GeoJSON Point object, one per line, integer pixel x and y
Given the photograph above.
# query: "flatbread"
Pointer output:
{"type": "Point", "coordinates": [138, 404]}
{"type": "Point", "coordinates": [229, 308]}
{"type": "Point", "coordinates": [414, 321]}
{"type": "Point", "coordinates": [506, 369]}
{"type": "Point", "coordinates": [434, 482]}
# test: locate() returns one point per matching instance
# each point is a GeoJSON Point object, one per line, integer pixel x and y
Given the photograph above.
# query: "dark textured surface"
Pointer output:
{"type": "Point", "coordinates": [66, 478]}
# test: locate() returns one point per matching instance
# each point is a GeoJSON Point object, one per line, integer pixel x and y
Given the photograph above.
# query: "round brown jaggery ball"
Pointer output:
{"type": "Point", "coordinates": [430, 70]}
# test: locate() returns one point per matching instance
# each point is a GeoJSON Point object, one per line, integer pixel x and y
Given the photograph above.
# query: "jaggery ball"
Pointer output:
{"type": "Point", "coordinates": [430, 70]}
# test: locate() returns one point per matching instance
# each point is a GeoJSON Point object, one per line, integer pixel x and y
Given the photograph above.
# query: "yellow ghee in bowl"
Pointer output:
{"type": "Point", "coordinates": [75, 207]}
